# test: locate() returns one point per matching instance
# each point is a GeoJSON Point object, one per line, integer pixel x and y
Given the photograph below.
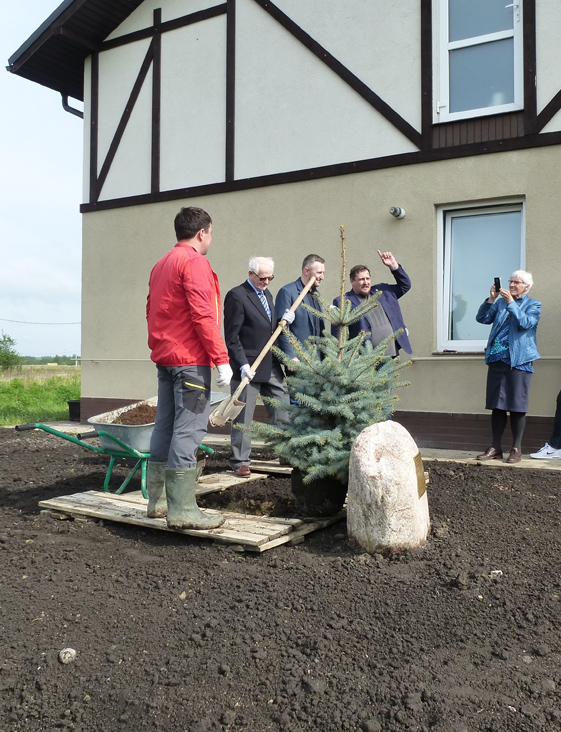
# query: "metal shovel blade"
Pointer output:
{"type": "Point", "coordinates": [227, 411]}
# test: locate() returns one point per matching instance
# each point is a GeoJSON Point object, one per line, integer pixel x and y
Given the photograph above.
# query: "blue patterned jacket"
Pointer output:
{"type": "Point", "coordinates": [523, 315]}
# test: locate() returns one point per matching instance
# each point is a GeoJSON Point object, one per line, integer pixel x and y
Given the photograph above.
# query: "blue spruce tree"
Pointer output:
{"type": "Point", "coordinates": [341, 386]}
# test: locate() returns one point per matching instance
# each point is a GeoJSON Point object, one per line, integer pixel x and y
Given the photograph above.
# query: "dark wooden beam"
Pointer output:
{"type": "Point", "coordinates": [530, 96]}
{"type": "Point", "coordinates": [230, 88]}
{"type": "Point", "coordinates": [156, 102]}
{"type": "Point", "coordinates": [94, 121]}
{"type": "Point", "coordinates": [169, 25]}
{"type": "Point", "coordinates": [426, 74]}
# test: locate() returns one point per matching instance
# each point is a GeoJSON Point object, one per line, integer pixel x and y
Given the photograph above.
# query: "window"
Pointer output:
{"type": "Point", "coordinates": [480, 60]}
{"type": "Point", "coordinates": [475, 245]}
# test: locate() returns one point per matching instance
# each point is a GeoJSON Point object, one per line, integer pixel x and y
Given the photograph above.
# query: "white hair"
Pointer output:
{"type": "Point", "coordinates": [255, 264]}
{"type": "Point", "coordinates": [526, 277]}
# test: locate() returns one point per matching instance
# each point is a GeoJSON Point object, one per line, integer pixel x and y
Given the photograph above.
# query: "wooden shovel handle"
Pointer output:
{"type": "Point", "coordinates": [272, 339]}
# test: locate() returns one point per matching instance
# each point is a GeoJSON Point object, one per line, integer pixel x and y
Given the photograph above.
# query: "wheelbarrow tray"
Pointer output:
{"type": "Point", "coordinates": [136, 435]}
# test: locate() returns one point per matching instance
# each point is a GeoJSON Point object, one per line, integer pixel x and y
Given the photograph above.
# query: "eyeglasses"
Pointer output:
{"type": "Point", "coordinates": [515, 282]}
{"type": "Point", "coordinates": [270, 278]}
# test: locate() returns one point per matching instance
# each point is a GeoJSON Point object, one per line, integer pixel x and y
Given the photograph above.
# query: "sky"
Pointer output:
{"type": "Point", "coordinates": [40, 195]}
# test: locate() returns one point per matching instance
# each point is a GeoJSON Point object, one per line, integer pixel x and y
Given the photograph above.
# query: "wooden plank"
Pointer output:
{"type": "Point", "coordinates": [243, 529]}
{"type": "Point", "coordinates": [221, 481]}
{"type": "Point", "coordinates": [294, 522]}
{"type": "Point", "coordinates": [307, 528]}
{"type": "Point", "coordinates": [270, 466]}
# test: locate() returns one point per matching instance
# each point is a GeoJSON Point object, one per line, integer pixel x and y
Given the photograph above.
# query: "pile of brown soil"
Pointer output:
{"type": "Point", "coordinates": [179, 634]}
{"type": "Point", "coordinates": [143, 414]}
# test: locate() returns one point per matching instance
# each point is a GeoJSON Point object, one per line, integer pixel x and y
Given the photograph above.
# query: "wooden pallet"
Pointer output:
{"type": "Point", "coordinates": [244, 531]}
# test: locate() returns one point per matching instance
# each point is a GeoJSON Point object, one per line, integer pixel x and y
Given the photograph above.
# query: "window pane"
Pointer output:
{"type": "Point", "coordinates": [471, 18]}
{"type": "Point", "coordinates": [482, 75]}
{"type": "Point", "coordinates": [483, 246]}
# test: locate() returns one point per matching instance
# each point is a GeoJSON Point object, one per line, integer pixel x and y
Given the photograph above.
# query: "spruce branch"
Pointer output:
{"type": "Point", "coordinates": [303, 354]}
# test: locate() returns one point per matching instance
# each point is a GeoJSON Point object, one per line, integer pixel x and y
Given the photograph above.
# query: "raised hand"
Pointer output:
{"type": "Point", "coordinates": [388, 259]}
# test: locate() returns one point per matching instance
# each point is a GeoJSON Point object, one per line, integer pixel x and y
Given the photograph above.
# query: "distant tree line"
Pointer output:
{"type": "Point", "coordinates": [10, 359]}
{"type": "Point", "coordinates": [39, 360]}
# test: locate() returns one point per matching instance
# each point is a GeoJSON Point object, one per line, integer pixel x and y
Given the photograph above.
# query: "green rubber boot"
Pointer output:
{"type": "Point", "coordinates": [156, 489]}
{"type": "Point", "coordinates": [183, 512]}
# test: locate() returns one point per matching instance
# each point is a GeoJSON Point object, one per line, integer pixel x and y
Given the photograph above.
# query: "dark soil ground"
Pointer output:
{"type": "Point", "coordinates": [178, 634]}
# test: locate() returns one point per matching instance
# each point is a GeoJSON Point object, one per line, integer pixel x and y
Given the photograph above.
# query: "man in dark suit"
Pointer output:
{"type": "Point", "coordinates": [305, 324]}
{"type": "Point", "coordinates": [380, 322]}
{"type": "Point", "coordinates": [249, 321]}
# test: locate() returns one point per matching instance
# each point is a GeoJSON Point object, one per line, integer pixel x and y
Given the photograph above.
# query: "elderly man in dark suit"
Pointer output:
{"type": "Point", "coordinates": [305, 324]}
{"type": "Point", "coordinates": [380, 322]}
{"type": "Point", "coordinates": [249, 321]}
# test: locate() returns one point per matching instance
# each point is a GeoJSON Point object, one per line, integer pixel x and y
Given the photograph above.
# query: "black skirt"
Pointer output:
{"type": "Point", "coordinates": [507, 388]}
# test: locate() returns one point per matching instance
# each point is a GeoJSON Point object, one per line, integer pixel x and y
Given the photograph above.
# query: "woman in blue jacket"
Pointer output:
{"type": "Point", "coordinates": [510, 351]}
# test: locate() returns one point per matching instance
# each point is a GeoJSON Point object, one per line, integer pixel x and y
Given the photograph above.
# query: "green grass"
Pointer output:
{"type": "Point", "coordinates": [37, 400]}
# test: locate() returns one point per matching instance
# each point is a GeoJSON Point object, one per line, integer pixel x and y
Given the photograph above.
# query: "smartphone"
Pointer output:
{"type": "Point", "coordinates": [497, 284]}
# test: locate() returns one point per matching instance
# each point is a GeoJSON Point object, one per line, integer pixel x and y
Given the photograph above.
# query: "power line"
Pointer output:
{"type": "Point", "coordinates": [30, 322]}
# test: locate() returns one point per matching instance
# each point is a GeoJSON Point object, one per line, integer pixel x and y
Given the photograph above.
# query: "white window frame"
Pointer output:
{"type": "Point", "coordinates": [442, 71]}
{"type": "Point", "coordinates": [443, 342]}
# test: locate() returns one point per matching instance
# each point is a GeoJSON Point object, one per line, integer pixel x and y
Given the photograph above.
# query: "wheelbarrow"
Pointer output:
{"type": "Point", "coordinates": [123, 441]}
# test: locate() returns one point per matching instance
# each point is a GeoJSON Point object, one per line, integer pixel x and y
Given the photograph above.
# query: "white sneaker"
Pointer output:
{"type": "Point", "coordinates": [546, 453]}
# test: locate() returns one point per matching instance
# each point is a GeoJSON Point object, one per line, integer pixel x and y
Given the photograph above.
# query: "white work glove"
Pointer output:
{"type": "Point", "coordinates": [225, 374]}
{"type": "Point", "coordinates": [288, 316]}
{"type": "Point", "coordinates": [246, 371]}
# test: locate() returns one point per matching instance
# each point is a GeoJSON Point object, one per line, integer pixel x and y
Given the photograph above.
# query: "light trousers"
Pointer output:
{"type": "Point", "coordinates": [240, 440]}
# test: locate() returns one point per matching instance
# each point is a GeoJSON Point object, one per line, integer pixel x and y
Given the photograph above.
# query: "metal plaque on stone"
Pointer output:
{"type": "Point", "coordinates": [421, 477]}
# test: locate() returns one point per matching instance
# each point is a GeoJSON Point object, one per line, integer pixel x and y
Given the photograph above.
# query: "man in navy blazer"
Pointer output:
{"type": "Point", "coordinates": [305, 324]}
{"type": "Point", "coordinates": [249, 322]}
{"type": "Point", "coordinates": [379, 322]}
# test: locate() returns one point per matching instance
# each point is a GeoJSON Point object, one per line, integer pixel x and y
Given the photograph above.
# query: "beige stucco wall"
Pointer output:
{"type": "Point", "coordinates": [292, 112]}
{"type": "Point", "coordinates": [290, 221]}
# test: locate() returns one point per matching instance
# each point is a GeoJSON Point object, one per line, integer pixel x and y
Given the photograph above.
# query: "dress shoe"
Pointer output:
{"type": "Point", "coordinates": [490, 454]}
{"type": "Point", "coordinates": [515, 456]}
{"type": "Point", "coordinates": [242, 471]}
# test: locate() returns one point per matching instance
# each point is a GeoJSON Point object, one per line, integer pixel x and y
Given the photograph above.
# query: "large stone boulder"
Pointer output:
{"type": "Point", "coordinates": [387, 506]}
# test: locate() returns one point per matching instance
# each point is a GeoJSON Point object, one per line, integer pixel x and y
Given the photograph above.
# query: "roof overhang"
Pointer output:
{"type": "Point", "coordinates": [54, 55]}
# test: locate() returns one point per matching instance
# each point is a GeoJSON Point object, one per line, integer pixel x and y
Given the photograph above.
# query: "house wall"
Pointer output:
{"type": "Point", "coordinates": [292, 111]}
{"type": "Point", "coordinates": [289, 221]}
{"type": "Point", "coordinates": [245, 100]}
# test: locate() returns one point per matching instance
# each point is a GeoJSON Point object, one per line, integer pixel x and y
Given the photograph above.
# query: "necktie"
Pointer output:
{"type": "Point", "coordinates": [265, 304]}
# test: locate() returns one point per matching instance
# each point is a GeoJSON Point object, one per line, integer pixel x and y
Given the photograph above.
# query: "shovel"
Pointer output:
{"type": "Point", "coordinates": [230, 408]}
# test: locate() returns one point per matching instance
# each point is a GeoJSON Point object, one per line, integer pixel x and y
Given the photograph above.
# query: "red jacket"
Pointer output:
{"type": "Point", "coordinates": [183, 311]}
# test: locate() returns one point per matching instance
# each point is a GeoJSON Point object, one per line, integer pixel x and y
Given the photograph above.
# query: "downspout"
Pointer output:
{"type": "Point", "coordinates": [68, 108]}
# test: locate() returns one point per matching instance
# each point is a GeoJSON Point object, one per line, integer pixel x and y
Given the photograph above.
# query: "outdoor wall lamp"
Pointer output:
{"type": "Point", "coordinates": [398, 212]}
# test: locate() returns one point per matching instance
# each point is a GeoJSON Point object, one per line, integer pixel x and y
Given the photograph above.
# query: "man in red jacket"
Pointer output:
{"type": "Point", "coordinates": [183, 314]}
